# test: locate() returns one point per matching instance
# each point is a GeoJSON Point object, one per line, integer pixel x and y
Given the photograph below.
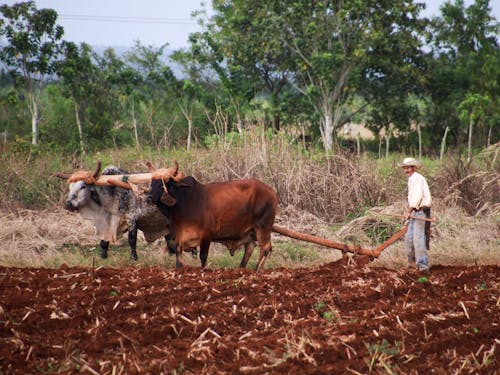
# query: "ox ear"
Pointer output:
{"type": "Point", "coordinates": [167, 200]}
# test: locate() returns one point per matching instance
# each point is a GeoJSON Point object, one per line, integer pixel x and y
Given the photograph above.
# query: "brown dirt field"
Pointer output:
{"type": "Point", "coordinates": [330, 319]}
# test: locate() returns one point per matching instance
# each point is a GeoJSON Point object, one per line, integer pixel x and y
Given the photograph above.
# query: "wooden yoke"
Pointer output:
{"type": "Point", "coordinates": [127, 181]}
{"type": "Point", "coordinates": [124, 181]}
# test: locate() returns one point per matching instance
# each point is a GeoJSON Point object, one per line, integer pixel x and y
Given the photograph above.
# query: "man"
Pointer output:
{"type": "Point", "coordinates": [419, 207]}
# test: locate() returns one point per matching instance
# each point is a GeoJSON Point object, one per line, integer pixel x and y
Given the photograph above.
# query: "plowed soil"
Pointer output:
{"type": "Point", "coordinates": [330, 319]}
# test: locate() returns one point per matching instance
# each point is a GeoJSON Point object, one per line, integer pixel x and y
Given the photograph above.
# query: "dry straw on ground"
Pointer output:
{"type": "Point", "coordinates": [27, 236]}
{"type": "Point", "coordinates": [38, 238]}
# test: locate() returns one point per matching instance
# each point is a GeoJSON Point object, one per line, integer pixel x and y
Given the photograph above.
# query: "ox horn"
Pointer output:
{"type": "Point", "coordinates": [62, 175]}
{"type": "Point", "coordinates": [150, 166]}
{"type": "Point", "coordinates": [163, 173]}
{"type": "Point", "coordinates": [88, 177]}
{"type": "Point", "coordinates": [97, 170]}
{"type": "Point", "coordinates": [176, 175]}
{"type": "Point", "coordinates": [176, 168]}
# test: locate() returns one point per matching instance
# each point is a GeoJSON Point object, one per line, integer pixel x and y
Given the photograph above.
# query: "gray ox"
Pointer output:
{"type": "Point", "coordinates": [115, 210]}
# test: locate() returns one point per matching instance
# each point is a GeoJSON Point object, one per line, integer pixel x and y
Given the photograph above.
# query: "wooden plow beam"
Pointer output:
{"type": "Point", "coordinates": [375, 253]}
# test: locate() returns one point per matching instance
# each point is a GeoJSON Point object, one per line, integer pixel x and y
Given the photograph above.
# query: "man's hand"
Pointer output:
{"type": "Point", "coordinates": [407, 215]}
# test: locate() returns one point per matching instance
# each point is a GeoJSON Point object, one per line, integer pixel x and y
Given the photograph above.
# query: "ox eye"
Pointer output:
{"type": "Point", "coordinates": [83, 187]}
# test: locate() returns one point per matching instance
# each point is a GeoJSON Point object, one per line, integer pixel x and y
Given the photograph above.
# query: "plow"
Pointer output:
{"type": "Point", "coordinates": [136, 182]}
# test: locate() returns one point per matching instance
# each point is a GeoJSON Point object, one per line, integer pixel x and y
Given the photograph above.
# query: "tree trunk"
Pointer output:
{"type": "Point", "coordinates": [190, 131]}
{"type": "Point", "coordinates": [443, 143]}
{"type": "Point", "coordinates": [34, 120]}
{"type": "Point", "coordinates": [488, 139]}
{"type": "Point", "coordinates": [379, 146]}
{"type": "Point", "coordinates": [239, 122]}
{"type": "Point", "coordinates": [134, 123]}
{"type": "Point", "coordinates": [387, 139]}
{"type": "Point", "coordinates": [237, 110]}
{"type": "Point", "coordinates": [326, 127]}
{"type": "Point", "coordinates": [80, 128]}
{"type": "Point", "coordinates": [469, 143]}
{"type": "Point", "coordinates": [419, 132]}
{"type": "Point", "coordinates": [276, 112]}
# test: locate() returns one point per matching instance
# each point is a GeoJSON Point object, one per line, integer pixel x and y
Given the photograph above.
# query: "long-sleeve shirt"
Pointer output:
{"type": "Point", "coordinates": [419, 194]}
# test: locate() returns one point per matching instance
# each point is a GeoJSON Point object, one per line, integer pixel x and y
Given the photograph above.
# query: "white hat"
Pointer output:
{"type": "Point", "coordinates": [410, 162]}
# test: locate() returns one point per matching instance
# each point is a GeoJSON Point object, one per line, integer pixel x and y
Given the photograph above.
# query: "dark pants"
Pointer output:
{"type": "Point", "coordinates": [427, 212]}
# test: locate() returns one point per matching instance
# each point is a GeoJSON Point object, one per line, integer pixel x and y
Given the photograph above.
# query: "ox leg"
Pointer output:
{"type": "Point", "coordinates": [204, 246]}
{"type": "Point", "coordinates": [104, 249]}
{"type": "Point", "coordinates": [264, 241]}
{"type": "Point", "coordinates": [171, 245]}
{"type": "Point", "coordinates": [178, 258]}
{"type": "Point", "coordinates": [248, 253]}
{"type": "Point", "coordinates": [132, 240]}
{"type": "Point", "coordinates": [194, 252]}
{"type": "Point", "coordinates": [262, 258]}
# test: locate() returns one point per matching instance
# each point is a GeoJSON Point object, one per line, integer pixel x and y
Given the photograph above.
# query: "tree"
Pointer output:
{"type": "Point", "coordinates": [33, 44]}
{"type": "Point", "coordinates": [156, 81]}
{"type": "Point", "coordinates": [237, 85]}
{"type": "Point", "coordinates": [465, 68]}
{"type": "Point", "coordinates": [249, 38]}
{"type": "Point", "coordinates": [191, 89]}
{"type": "Point", "coordinates": [119, 91]}
{"type": "Point", "coordinates": [78, 75]}
{"type": "Point", "coordinates": [343, 48]}
{"type": "Point", "coordinates": [473, 110]}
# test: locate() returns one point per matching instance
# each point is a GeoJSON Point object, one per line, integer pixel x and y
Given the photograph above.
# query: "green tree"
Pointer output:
{"type": "Point", "coordinates": [350, 47]}
{"type": "Point", "coordinates": [473, 111]}
{"type": "Point", "coordinates": [491, 87]}
{"type": "Point", "coordinates": [114, 93]}
{"type": "Point", "coordinates": [191, 89]}
{"type": "Point", "coordinates": [247, 35]}
{"type": "Point", "coordinates": [466, 50]}
{"type": "Point", "coordinates": [154, 90]}
{"type": "Point", "coordinates": [77, 74]}
{"type": "Point", "coordinates": [238, 87]}
{"type": "Point", "coordinates": [33, 43]}
{"type": "Point", "coordinates": [12, 110]}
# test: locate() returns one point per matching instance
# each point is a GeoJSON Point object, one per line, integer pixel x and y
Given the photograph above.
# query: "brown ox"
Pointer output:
{"type": "Point", "coordinates": [233, 213]}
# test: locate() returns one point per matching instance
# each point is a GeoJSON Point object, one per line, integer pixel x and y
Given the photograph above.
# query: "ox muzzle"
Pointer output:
{"type": "Point", "coordinates": [69, 206]}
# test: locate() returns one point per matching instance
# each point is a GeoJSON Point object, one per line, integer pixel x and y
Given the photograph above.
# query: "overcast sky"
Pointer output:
{"type": "Point", "coordinates": [153, 22]}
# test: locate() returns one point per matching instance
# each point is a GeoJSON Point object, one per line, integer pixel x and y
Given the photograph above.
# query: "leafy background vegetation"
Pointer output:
{"type": "Point", "coordinates": [266, 91]}
{"type": "Point", "coordinates": [300, 67]}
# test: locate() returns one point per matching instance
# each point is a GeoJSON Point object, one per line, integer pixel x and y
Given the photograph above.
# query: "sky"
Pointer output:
{"type": "Point", "coordinates": [113, 23]}
{"type": "Point", "coordinates": [122, 22]}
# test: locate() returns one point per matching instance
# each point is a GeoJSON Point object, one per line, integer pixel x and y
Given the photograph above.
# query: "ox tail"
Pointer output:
{"type": "Point", "coordinates": [323, 241]}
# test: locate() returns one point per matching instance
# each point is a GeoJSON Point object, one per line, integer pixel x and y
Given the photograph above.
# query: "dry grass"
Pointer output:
{"type": "Point", "coordinates": [30, 238]}
{"type": "Point", "coordinates": [341, 197]}
{"type": "Point", "coordinates": [330, 187]}
{"type": "Point", "coordinates": [51, 237]}
{"type": "Point", "coordinates": [456, 239]}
